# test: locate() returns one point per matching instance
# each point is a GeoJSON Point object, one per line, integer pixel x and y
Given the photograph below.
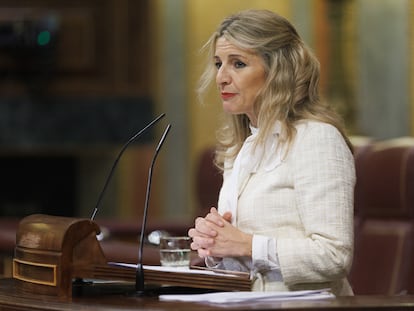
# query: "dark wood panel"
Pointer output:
{"type": "Point", "coordinates": [101, 47]}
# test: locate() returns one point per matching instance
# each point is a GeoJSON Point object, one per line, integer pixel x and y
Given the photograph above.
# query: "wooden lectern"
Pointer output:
{"type": "Point", "coordinates": [52, 251]}
{"type": "Point", "coordinates": [48, 248]}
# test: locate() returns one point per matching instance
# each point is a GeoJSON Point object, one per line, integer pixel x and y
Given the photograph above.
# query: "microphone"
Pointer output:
{"type": "Point", "coordinates": [139, 278]}
{"type": "Point", "coordinates": [117, 160]}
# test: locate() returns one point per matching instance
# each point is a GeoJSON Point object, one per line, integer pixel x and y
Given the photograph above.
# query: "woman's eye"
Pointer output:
{"type": "Point", "coordinates": [239, 64]}
{"type": "Point", "coordinates": [217, 64]}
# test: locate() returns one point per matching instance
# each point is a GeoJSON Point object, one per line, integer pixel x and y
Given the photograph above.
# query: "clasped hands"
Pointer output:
{"type": "Point", "coordinates": [214, 235]}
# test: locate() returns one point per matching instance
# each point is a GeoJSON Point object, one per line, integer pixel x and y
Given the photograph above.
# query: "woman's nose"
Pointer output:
{"type": "Point", "coordinates": [222, 76]}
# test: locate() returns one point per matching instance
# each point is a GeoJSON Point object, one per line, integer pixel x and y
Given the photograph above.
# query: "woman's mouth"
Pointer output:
{"type": "Point", "coordinates": [227, 96]}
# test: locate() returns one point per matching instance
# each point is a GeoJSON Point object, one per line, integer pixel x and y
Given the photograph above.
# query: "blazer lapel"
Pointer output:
{"type": "Point", "coordinates": [243, 180]}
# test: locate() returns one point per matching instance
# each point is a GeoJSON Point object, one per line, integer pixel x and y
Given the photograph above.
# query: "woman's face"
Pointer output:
{"type": "Point", "coordinates": [240, 77]}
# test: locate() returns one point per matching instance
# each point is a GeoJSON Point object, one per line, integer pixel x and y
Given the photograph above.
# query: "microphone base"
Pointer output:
{"type": "Point", "coordinates": [148, 291]}
{"type": "Point", "coordinates": [143, 293]}
{"type": "Point", "coordinates": [140, 289]}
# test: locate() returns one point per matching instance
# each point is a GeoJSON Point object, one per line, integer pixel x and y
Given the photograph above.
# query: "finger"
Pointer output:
{"type": "Point", "coordinates": [192, 232]}
{"type": "Point", "coordinates": [203, 242]}
{"type": "Point", "coordinates": [203, 252]}
{"type": "Point", "coordinates": [215, 218]}
{"type": "Point", "coordinates": [198, 220]}
{"type": "Point", "coordinates": [227, 216]}
{"type": "Point", "coordinates": [194, 246]}
{"type": "Point", "coordinates": [204, 227]}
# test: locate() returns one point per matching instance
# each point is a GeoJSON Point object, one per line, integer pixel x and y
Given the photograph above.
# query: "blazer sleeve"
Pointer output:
{"type": "Point", "coordinates": [324, 180]}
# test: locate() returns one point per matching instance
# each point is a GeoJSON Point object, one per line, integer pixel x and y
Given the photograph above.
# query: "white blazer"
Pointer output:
{"type": "Point", "coordinates": [302, 208]}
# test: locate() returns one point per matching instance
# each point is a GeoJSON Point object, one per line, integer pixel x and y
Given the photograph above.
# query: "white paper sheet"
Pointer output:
{"type": "Point", "coordinates": [238, 297]}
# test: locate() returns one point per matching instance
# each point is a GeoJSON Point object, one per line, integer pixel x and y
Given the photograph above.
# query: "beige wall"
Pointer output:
{"type": "Point", "coordinates": [411, 50]}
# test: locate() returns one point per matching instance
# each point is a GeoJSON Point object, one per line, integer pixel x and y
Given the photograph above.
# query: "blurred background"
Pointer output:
{"type": "Point", "coordinates": [78, 78]}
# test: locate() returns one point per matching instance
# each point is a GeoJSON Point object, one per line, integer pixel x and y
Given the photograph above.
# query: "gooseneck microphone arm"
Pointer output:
{"type": "Point", "coordinates": [140, 279]}
{"type": "Point", "coordinates": [117, 160]}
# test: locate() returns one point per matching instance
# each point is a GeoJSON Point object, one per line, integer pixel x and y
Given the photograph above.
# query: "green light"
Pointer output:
{"type": "Point", "coordinates": [43, 38]}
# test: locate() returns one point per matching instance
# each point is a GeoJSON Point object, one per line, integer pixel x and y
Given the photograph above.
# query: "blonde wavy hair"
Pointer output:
{"type": "Point", "coordinates": [290, 92]}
